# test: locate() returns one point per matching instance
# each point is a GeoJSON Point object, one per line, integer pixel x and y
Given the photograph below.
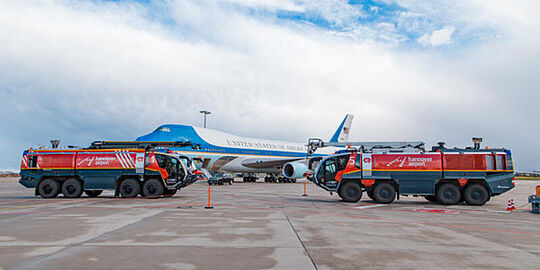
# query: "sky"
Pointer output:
{"type": "Point", "coordinates": [425, 70]}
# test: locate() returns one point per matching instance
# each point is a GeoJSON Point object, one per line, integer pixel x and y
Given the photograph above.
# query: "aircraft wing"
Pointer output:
{"type": "Point", "coordinates": [260, 163]}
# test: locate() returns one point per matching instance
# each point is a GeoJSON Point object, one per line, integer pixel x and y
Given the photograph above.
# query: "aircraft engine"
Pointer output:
{"type": "Point", "coordinates": [294, 170]}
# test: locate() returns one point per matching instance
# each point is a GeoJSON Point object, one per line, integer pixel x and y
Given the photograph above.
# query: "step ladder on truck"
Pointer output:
{"type": "Point", "coordinates": [387, 170]}
{"type": "Point", "coordinates": [128, 168]}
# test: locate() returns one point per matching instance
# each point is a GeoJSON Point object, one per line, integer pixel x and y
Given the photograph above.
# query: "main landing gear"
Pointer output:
{"type": "Point", "coordinates": [272, 178]}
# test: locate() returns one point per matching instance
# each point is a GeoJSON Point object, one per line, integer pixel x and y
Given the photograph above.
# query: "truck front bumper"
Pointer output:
{"type": "Point", "coordinates": [499, 184]}
{"type": "Point", "coordinates": [29, 183]}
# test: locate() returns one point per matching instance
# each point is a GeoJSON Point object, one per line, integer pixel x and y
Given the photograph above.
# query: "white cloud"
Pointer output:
{"type": "Point", "coordinates": [438, 37]}
{"type": "Point", "coordinates": [82, 71]}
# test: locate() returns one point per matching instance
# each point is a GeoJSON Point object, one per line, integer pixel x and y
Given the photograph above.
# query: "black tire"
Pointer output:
{"type": "Point", "coordinates": [350, 192]}
{"type": "Point", "coordinates": [476, 194]}
{"type": "Point", "coordinates": [93, 193]}
{"type": "Point", "coordinates": [152, 188]}
{"type": "Point", "coordinates": [431, 198]}
{"type": "Point", "coordinates": [294, 180]}
{"type": "Point", "coordinates": [384, 193]}
{"type": "Point", "coordinates": [72, 188]}
{"type": "Point", "coordinates": [48, 188]}
{"type": "Point", "coordinates": [130, 188]}
{"type": "Point", "coordinates": [448, 194]}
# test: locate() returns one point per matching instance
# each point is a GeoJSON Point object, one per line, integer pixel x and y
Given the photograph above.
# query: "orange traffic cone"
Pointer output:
{"type": "Point", "coordinates": [513, 205]}
{"type": "Point", "coordinates": [509, 207]}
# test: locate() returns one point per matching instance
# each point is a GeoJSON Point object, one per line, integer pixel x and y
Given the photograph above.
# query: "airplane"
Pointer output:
{"type": "Point", "coordinates": [221, 151]}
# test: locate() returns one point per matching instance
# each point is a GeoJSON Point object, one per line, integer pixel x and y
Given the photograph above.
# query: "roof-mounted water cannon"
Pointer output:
{"type": "Point", "coordinates": [55, 144]}
{"type": "Point", "coordinates": [315, 143]}
{"type": "Point", "coordinates": [476, 142]}
{"type": "Point", "coordinates": [440, 145]}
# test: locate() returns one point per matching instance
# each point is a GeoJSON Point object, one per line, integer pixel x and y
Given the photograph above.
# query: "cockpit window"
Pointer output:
{"type": "Point", "coordinates": [164, 129]}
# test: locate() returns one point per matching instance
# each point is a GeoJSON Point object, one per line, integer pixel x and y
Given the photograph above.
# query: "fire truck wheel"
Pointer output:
{"type": "Point", "coordinates": [448, 194]}
{"type": "Point", "coordinates": [48, 188]}
{"type": "Point", "coordinates": [72, 188]}
{"type": "Point", "coordinates": [350, 192]}
{"type": "Point", "coordinates": [476, 194]}
{"type": "Point", "coordinates": [384, 193]}
{"type": "Point", "coordinates": [431, 198]}
{"type": "Point", "coordinates": [93, 193]}
{"type": "Point", "coordinates": [152, 187]}
{"type": "Point", "coordinates": [129, 188]}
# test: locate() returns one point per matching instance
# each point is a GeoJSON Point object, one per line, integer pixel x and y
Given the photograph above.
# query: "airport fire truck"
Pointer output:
{"type": "Point", "coordinates": [385, 170]}
{"type": "Point", "coordinates": [128, 168]}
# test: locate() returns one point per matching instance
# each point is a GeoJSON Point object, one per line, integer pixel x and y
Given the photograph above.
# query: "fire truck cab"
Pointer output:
{"type": "Point", "coordinates": [447, 176]}
{"type": "Point", "coordinates": [128, 168]}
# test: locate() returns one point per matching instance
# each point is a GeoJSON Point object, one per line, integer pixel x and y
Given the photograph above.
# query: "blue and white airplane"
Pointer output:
{"type": "Point", "coordinates": [222, 151]}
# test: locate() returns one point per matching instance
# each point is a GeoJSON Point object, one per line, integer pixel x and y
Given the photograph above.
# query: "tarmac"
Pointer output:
{"type": "Point", "coordinates": [263, 226]}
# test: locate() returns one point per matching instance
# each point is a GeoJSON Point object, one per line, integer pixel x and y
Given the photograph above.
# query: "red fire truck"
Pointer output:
{"type": "Point", "coordinates": [385, 170]}
{"type": "Point", "coordinates": [129, 168]}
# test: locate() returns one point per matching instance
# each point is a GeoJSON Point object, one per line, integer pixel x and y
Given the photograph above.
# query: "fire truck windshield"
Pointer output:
{"type": "Point", "coordinates": [329, 167]}
{"type": "Point", "coordinates": [171, 165]}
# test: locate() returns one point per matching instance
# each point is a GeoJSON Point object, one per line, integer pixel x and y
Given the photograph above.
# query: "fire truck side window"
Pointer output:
{"type": "Point", "coordinates": [173, 168]}
{"type": "Point", "coordinates": [499, 162]}
{"type": "Point", "coordinates": [32, 161]}
{"type": "Point", "coordinates": [341, 162]}
{"type": "Point", "coordinates": [489, 162]}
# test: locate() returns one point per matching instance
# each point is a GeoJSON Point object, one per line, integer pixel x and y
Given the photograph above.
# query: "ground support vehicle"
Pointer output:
{"type": "Point", "coordinates": [128, 168]}
{"type": "Point", "coordinates": [250, 177]}
{"type": "Point", "coordinates": [535, 204]}
{"type": "Point", "coordinates": [221, 178]}
{"type": "Point", "coordinates": [447, 176]}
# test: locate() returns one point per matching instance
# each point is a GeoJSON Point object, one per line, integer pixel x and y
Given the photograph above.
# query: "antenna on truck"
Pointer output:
{"type": "Point", "coordinates": [140, 144]}
{"type": "Point", "coordinates": [315, 143]}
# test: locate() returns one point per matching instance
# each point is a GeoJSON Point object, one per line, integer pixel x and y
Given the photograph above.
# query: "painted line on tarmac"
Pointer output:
{"type": "Point", "coordinates": [461, 227]}
{"type": "Point", "coordinates": [369, 206]}
{"type": "Point", "coordinates": [33, 205]}
{"type": "Point", "coordinates": [436, 211]}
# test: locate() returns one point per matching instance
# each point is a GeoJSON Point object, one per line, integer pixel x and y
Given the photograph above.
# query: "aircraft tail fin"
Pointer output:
{"type": "Point", "coordinates": [342, 133]}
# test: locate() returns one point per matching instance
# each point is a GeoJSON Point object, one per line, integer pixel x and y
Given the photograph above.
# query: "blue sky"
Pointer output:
{"type": "Point", "coordinates": [391, 22]}
{"type": "Point", "coordinates": [409, 70]}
